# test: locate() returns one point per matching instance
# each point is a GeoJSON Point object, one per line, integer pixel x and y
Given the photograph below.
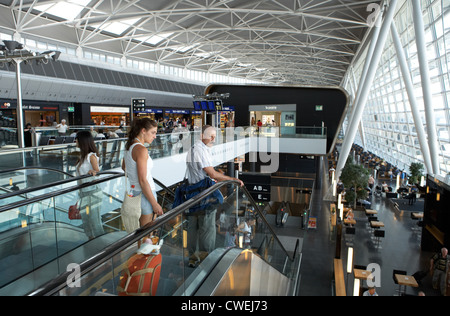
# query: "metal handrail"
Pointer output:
{"type": "Point", "coordinates": [114, 175]}
{"type": "Point", "coordinates": [109, 252]}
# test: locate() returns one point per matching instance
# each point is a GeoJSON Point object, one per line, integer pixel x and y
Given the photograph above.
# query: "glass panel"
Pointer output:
{"type": "Point", "coordinates": [192, 243]}
{"type": "Point", "coordinates": [39, 239]}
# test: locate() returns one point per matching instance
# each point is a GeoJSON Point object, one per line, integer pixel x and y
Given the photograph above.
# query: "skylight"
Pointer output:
{"type": "Point", "coordinates": [155, 39]}
{"type": "Point", "coordinates": [67, 10]}
{"type": "Point", "coordinates": [118, 27]}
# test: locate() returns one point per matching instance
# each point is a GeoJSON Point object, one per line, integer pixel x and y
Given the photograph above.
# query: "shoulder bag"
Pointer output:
{"type": "Point", "coordinates": [130, 210]}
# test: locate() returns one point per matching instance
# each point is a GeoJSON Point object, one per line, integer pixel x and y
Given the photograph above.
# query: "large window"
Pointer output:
{"type": "Point", "coordinates": [389, 129]}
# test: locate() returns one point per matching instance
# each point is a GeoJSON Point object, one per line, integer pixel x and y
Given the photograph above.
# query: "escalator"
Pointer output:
{"type": "Point", "coordinates": [38, 240]}
{"type": "Point", "coordinates": [243, 257]}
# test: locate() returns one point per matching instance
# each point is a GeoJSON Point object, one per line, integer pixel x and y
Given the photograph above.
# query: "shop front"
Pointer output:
{"type": "Point", "coordinates": [153, 114]}
{"type": "Point", "coordinates": [38, 114]}
{"type": "Point", "coordinates": [41, 115]}
{"type": "Point", "coordinates": [110, 115]}
{"type": "Point", "coordinates": [283, 116]}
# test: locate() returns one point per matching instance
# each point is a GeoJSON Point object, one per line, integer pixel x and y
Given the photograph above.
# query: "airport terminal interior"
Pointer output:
{"type": "Point", "coordinates": [334, 114]}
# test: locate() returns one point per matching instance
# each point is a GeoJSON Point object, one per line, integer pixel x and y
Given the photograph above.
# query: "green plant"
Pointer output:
{"type": "Point", "coordinates": [416, 171]}
{"type": "Point", "coordinates": [355, 179]}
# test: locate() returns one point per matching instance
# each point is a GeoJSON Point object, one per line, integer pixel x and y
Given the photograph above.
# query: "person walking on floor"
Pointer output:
{"type": "Point", "coordinates": [438, 270]}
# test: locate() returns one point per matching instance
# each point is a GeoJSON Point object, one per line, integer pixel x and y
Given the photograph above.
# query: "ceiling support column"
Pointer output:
{"type": "Point", "coordinates": [426, 86]}
{"type": "Point", "coordinates": [406, 73]}
{"type": "Point", "coordinates": [366, 87]}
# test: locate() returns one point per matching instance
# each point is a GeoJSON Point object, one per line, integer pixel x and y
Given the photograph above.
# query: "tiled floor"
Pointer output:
{"type": "Point", "coordinates": [400, 249]}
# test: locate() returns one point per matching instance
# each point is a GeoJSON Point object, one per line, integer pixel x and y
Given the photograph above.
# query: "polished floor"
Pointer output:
{"type": "Point", "coordinates": [400, 249]}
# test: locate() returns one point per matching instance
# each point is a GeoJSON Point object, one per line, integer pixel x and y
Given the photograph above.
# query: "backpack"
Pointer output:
{"type": "Point", "coordinates": [187, 191]}
{"type": "Point", "coordinates": [141, 276]}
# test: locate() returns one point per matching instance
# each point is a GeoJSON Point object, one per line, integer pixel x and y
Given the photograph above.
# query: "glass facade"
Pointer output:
{"type": "Point", "coordinates": [388, 125]}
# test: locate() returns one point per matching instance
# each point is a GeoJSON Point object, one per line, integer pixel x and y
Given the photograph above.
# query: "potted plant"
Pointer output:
{"type": "Point", "coordinates": [416, 171]}
{"type": "Point", "coordinates": [355, 179]}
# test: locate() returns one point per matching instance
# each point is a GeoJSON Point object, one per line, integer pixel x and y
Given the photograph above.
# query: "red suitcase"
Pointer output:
{"type": "Point", "coordinates": [141, 276]}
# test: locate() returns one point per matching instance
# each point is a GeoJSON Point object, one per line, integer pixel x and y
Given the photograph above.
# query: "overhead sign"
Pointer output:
{"type": "Point", "coordinates": [257, 184]}
{"type": "Point", "coordinates": [138, 105]}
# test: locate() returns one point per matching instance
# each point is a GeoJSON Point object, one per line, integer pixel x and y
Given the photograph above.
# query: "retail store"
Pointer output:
{"type": "Point", "coordinates": [38, 114]}
{"type": "Point", "coordinates": [283, 116]}
{"type": "Point", "coordinates": [110, 115]}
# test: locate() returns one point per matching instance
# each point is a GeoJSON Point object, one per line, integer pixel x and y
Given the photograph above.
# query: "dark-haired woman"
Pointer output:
{"type": "Point", "coordinates": [138, 165]}
{"type": "Point", "coordinates": [90, 197]}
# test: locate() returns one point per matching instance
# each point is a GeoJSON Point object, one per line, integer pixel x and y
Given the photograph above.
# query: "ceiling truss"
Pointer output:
{"type": "Point", "coordinates": [276, 42]}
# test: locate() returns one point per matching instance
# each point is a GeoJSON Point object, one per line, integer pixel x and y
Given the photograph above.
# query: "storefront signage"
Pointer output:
{"type": "Point", "coordinates": [109, 109]}
{"type": "Point", "coordinates": [28, 107]}
{"type": "Point", "coordinates": [154, 111]}
{"type": "Point", "coordinates": [177, 111]}
{"type": "Point", "coordinates": [273, 108]}
{"type": "Point", "coordinates": [228, 108]}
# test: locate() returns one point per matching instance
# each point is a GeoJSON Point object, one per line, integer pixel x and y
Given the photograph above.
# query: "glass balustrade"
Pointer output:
{"type": "Point", "coordinates": [38, 238]}
{"type": "Point", "coordinates": [192, 238]}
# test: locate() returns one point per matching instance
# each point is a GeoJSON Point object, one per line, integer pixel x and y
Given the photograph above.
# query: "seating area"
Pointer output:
{"type": "Point", "coordinates": [58, 140]}
{"type": "Point", "coordinates": [388, 234]}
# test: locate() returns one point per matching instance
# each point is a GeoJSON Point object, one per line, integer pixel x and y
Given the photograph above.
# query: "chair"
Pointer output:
{"type": "Point", "coordinates": [59, 140]}
{"type": "Point", "coordinates": [378, 234]}
{"type": "Point", "coordinates": [69, 140]}
{"type": "Point", "coordinates": [44, 140]}
{"type": "Point", "coordinates": [350, 230]}
{"type": "Point", "coordinates": [349, 234]}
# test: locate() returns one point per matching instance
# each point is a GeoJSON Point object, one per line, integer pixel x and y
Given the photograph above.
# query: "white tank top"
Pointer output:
{"type": "Point", "coordinates": [131, 168]}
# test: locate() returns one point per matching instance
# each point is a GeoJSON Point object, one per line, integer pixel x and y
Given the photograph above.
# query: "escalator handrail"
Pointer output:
{"type": "Point", "coordinates": [55, 285]}
{"type": "Point", "coordinates": [48, 185]}
{"type": "Point", "coordinates": [30, 168]}
{"type": "Point", "coordinates": [113, 175]}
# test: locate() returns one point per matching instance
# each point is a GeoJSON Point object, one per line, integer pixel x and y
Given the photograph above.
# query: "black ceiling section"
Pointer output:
{"type": "Point", "coordinates": [50, 71]}
{"type": "Point", "coordinates": [118, 78]}
{"type": "Point", "coordinates": [152, 83]}
{"type": "Point", "coordinates": [69, 71]}
{"type": "Point", "coordinates": [59, 70]}
{"type": "Point", "coordinates": [78, 73]}
{"type": "Point", "coordinates": [110, 77]}
{"type": "Point", "coordinates": [138, 81]}
{"type": "Point", "coordinates": [86, 73]}
{"type": "Point", "coordinates": [72, 71]}
{"type": "Point", "coordinates": [102, 75]}
{"type": "Point", "coordinates": [38, 70]}
{"type": "Point", "coordinates": [94, 74]}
